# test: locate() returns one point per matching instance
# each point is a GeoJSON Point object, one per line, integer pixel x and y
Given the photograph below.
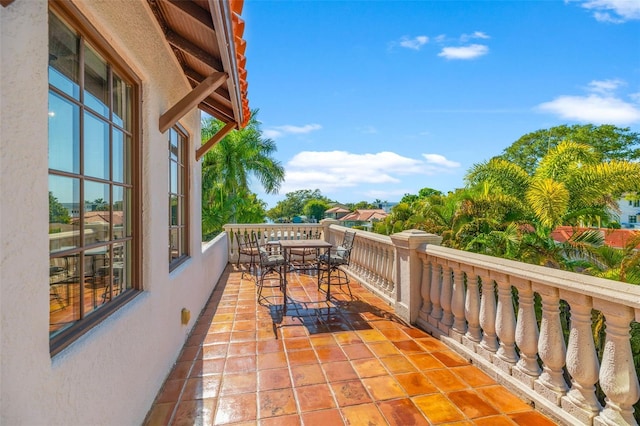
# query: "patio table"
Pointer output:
{"type": "Point", "coordinates": [287, 245]}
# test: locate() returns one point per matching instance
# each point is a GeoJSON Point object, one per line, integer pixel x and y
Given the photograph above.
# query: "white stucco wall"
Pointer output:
{"type": "Point", "coordinates": [111, 375]}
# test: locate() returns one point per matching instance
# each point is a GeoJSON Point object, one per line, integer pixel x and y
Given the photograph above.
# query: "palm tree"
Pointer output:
{"type": "Point", "coordinates": [227, 168]}
{"type": "Point", "coordinates": [570, 186]}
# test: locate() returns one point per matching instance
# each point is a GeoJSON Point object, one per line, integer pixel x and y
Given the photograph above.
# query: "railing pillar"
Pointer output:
{"type": "Point", "coordinates": [446, 293]}
{"type": "Point", "coordinates": [506, 357]}
{"type": "Point", "coordinates": [408, 271]}
{"type": "Point", "coordinates": [326, 224]}
{"type": "Point", "coordinates": [425, 289]}
{"type": "Point", "coordinates": [618, 378]}
{"type": "Point", "coordinates": [436, 287]}
{"type": "Point", "coordinates": [472, 310]}
{"type": "Point", "coordinates": [551, 347]}
{"type": "Point", "coordinates": [527, 334]}
{"type": "Point", "coordinates": [582, 361]}
{"type": "Point", "coordinates": [457, 303]}
{"type": "Point", "coordinates": [489, 344]}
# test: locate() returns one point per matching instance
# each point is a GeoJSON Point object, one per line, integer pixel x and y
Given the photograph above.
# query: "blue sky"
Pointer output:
{"type": "Point", "coordinates": [375, 99]}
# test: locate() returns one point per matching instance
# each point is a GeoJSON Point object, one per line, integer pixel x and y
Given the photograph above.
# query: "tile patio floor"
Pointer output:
{"type": "Point", "coordinates": [346, 362]}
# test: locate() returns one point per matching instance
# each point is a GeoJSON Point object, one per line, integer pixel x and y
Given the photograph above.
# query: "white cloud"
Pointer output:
{"type": "Point", "coordinates": [601, 106]}
{"type": "Point", "coordinates": [440, 160]}
{"type": "Point", "coordinates": [333, 170]}
{"type": "Point", "coordinates": [614, 11]}
{"type": "Point", "coordinates": [464, 52]}
{"type": "Point", "coordinates": [477, 34]}
{"type": "Point", "coordinates": [605, 86]}
{"type": "Point", "coordinates": [287, 129]}
{"type": "Point", "coordinates": [414, 43]}
{"type": "Point", "coordinates": [594, 108]}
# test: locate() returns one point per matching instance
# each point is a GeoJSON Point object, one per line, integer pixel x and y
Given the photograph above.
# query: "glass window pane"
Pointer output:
{"type": "Point", "coordinates": [174, 248]}
{"type": "Point", "coordinates": [118, 213]}
{"type": "Point", "coordinates": [118, 156]}
{"type": "Point", "coordinates": [173, 220]}
{"type": "Point", "coordinates": [96, 82]}
{"type": "Point", "coordinates": [64, 293]}
{"type": "Point", "coordinates": [97, 217]}
{"type": "Point", "coordinates": [97, 278]}
{"type": "Point", "coordinates": [64, 205]}
{"type": "Point", "coordinates": [121, 102]}
{"type": "Point", "coordinates": [64, 69]}
{"type": "Point", "coordinates": [96, 147]}
{"type": "Point", "coordinates": [174, 178]}
{"type": "Point", "coordinates": [64, 134]}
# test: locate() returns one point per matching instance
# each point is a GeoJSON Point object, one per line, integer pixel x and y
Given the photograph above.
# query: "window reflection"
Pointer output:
{"type": "Point", "coordinates": [90, 192]}
{"type": "Point", "coordinates": [64, 207]}
{"type": "Point", "coordinates": [96, 83]}
{"type": "Point", "coordinates": [64, 135]}
{"type": "Point", "coordinates": [96, 147]}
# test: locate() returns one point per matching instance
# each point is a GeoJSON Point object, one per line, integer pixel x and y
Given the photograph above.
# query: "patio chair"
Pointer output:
{"type": "Point", "coordinates": [332, 263]}
{"type": "Point", "coordinates": [304, 258]}
{"type": "Point", "coordinates": [270, 264]}
{"type": "Point", "coordinates": [245, 247]}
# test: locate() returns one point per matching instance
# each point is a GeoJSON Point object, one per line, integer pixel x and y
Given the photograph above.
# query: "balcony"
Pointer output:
{"type": "Point", "coordinates": [431, 333]}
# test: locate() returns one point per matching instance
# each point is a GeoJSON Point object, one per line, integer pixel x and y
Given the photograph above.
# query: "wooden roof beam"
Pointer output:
{"type": "Point", "coordinates": [191, 100]}
{"type": "Point", "coordinates": [214, 140]}
{"type": "Point", "coordinates": [189, 48]}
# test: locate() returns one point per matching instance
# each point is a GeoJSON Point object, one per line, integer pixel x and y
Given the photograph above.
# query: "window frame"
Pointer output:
{"type": "Point", "coordinates": [633, 218]}
{"type": "Point", "coordinates": [184, 184]}
{"type": "Point", "coordinates": [73, 17]}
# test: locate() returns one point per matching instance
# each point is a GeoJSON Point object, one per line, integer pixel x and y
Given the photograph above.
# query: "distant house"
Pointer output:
{"type": "Point", "coordinates": [337, 212]}
{"type": "Point", "coordinates": [363, 217]}
{"type": "Point", "coordinates": [629, 213]}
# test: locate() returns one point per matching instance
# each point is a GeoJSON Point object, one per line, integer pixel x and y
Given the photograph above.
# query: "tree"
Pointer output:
{"type": "Point", "coordinates": [57, 212]}
{"type": "Point", "coordinates": [226, 169]}
{"type": "Point", "coordinates": [294, 202]}
{"type": "Point", "coordinates": [609, 142]}
{"type": "Point", "coordinates": [315, 209]}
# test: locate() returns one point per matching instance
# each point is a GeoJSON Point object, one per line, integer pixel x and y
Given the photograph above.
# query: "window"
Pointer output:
{"type": "Point", "coordinates": [633, 219]}
{"type": "Point", "coordinates": [93, 199]}
{"type": "Point", "coordinates": [178, 200]}
{"type": "Point", "coordinates": [636, 203]}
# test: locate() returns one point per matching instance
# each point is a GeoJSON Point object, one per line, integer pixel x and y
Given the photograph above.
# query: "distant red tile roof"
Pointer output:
{"type": "Point", "coordinates": [365, 215]}
{"type": "Point", "coordinates": [612, 237]}
{"type": "Point", "coordinates": [337, 209]}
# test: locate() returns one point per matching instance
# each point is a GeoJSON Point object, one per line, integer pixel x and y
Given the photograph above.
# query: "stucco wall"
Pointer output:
{"type": "Point", "coordinates": [111, 375]}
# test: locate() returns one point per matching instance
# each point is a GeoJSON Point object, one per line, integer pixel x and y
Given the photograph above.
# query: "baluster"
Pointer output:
{"type": "Point", "coordinates": [445, 298]}
{"type": "Point", "coordinates": [425, 288]}
{"type": "Point", "coordinates": [506, 325]}
{"type": "Point", "coordinates": [527, 369]}
{"type": "Point", "coordinates": [457, 303]}
{"type": "Point", "coordinates": [489, 344]}
{"type": "Point", "coordinates": [472, 310]}
{"type": "Point", "coordinates": [618, 378]}
{"type": "Point", "coordinates": [582, 362]}
{"type": "Point", "coordinates": [436, 309]}
{"type": "Point", "coordinates": [551, 347]}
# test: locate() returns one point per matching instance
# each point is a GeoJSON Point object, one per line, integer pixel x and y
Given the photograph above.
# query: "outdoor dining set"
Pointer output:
{"type": "Point", "coordinates": [271, 261]}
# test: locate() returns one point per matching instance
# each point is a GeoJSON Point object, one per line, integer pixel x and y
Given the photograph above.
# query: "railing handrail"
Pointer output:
{"type": "Point", "coordinates": [596, 287]}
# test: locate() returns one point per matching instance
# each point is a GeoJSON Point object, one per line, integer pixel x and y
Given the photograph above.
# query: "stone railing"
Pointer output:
{"type": "Point", "coordinates": [507, 317]}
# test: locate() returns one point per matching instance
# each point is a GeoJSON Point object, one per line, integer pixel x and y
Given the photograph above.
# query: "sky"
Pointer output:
{"type": "Point", "coordinates": [371, 100]}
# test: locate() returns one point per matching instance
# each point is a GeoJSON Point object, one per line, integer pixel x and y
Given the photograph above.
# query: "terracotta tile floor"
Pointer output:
{"type": "Point", "coordinates": [350, 361]}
